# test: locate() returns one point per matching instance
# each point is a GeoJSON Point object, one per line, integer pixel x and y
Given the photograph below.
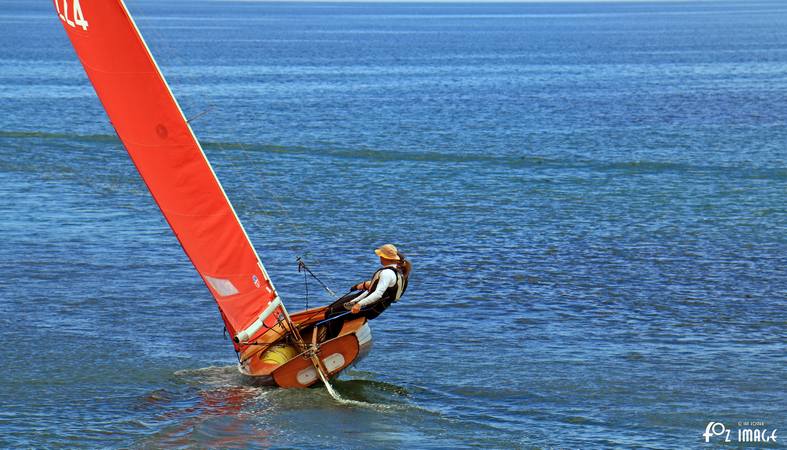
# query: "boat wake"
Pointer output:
{"type": "Point", "coordinates": [211, 376]}
{"type": "Point", "coordinates": [357, 392]}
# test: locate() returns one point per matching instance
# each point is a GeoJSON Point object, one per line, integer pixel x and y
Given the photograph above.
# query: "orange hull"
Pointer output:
{"type": "Point", "coordinates": [350, 346]}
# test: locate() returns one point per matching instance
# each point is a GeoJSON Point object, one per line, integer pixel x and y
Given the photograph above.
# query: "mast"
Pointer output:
{"type": "Point", "coordinates": [171, 162]}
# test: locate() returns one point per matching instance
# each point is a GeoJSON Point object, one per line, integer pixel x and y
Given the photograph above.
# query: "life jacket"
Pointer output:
{"type": "Point", "coordinates": [391, 295]}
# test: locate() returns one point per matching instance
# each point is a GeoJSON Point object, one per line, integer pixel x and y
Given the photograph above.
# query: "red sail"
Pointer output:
{"type": "Point", "coordinates": [168, 156]}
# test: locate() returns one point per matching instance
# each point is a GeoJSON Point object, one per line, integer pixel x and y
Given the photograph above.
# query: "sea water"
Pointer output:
{"type": "Point", "coordinates": [592, 196]}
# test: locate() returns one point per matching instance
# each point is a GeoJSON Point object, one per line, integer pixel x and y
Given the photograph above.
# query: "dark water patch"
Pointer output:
{"type": "Point", "coordinates": [46, 136]}
{"type": "Point", "coordinates": [638, 167]}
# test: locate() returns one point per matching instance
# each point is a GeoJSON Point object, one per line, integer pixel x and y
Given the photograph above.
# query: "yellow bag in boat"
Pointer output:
{"type": "Point", "coordinates": [278, 354]}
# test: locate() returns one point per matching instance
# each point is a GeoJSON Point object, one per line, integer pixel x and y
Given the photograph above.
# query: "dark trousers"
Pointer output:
{"type": "Point", "coordinates": [332, 328]}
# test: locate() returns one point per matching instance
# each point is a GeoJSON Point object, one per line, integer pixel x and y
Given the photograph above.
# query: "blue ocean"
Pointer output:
{"type": "Point", "coordinates": [592, 196]}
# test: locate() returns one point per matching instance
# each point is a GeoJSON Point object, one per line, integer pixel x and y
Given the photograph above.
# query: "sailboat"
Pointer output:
{"type": "Point", "coordinates": [273, 346]}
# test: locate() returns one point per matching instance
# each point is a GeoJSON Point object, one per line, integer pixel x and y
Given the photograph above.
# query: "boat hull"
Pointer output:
{"type": "Point", "coordinates": [348, 348]}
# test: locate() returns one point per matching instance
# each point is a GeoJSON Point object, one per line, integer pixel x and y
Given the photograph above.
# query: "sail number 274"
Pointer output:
{"type": "Point", "coordinates": [76, 18]}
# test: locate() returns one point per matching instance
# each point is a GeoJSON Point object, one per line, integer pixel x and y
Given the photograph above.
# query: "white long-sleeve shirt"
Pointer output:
{"type": "Point", "coordinates": [387, 279]}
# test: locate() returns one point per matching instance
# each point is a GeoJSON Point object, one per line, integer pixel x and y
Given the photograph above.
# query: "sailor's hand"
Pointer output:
{"type": "Point", "coordinates": [348, 305]}
{"type": "Point", "coordinates": [356, 308]}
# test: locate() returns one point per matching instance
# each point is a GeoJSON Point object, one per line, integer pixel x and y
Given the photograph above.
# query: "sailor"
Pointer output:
{"type": "Point", "coordinates": [370, 298]}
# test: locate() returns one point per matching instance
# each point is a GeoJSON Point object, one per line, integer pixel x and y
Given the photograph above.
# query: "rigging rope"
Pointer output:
{"type": "Point", "coordinates": [302, 265]}
{"type": "Point", "coordinates": [305, 285]}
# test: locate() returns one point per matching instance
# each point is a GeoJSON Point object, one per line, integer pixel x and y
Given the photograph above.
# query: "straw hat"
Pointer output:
{"type": "Point", "coordinates": [388, 251]}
